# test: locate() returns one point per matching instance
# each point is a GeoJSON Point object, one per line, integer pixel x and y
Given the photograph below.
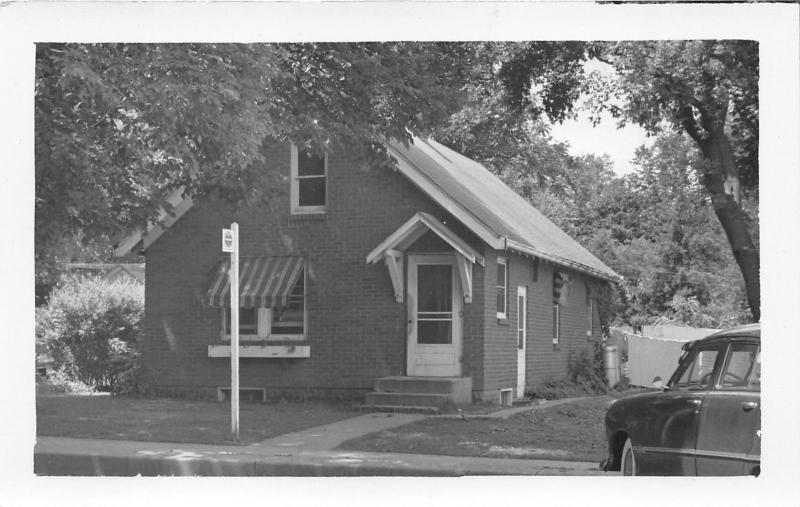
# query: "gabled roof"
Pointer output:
{"type": "Point", "coordinates": [467, 190]}
{"type": "Point", "coordinates": [141, 239]}
{"type": "Point", "coordinates": [487, 206]}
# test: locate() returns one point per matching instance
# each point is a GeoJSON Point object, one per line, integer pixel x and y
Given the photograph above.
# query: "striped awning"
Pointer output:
{"type": "Point", "coordinates": [264, 282]}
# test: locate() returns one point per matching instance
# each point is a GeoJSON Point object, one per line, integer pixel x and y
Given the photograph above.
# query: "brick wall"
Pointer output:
{"type": "Point", "coordinates": [356, 330]}
{"type": "Point", "coordinates": [543, 359]}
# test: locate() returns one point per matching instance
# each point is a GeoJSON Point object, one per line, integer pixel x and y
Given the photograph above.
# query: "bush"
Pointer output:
{"type": "Point", "coordinates": [585, 376]}
{"type": "Point", "coordinates": [90, 328]}
{"type": "Point", "coordinates": [586, 369]}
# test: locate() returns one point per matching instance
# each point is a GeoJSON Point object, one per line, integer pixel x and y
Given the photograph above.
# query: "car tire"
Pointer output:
{"type": "Point", "coordinates": [628, 460]}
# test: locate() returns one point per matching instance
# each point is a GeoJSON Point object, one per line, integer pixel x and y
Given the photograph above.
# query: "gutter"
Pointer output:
{"type": "Point", "coordinates": [535, 252]}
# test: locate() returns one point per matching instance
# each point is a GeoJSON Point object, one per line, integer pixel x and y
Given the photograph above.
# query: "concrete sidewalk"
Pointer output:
{"type": "Point", "coordinates": [81, 457]}
{"type": "Point", "coordinates": [309, 452]}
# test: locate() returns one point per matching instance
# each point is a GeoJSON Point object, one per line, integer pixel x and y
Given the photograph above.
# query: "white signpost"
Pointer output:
{"type": "Point", "coordinates": [230, 244]}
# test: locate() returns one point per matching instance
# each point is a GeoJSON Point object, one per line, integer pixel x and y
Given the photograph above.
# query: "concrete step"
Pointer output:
{"type": "Point", "coordinates": [406, 409]}
{"type": "Point", "coordinates": [459, 389]}
{"type": "Point", "coordinates": [407, 399]}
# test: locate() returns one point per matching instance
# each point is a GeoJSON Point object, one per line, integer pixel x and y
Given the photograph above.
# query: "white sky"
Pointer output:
{"type": "Point", "coordinates": [605, 138]}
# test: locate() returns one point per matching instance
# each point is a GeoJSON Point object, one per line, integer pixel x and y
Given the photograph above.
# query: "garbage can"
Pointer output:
{"type": "Point", "coordinates": [611, 364]}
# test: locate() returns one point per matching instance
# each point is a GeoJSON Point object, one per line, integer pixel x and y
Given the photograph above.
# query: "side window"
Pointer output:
{"type": "Point", "coordinates": [699, 371]}
{"type": "Point", "coordinates": [741, 362]}
{"type": "Point", "coordinates": [502, 287]}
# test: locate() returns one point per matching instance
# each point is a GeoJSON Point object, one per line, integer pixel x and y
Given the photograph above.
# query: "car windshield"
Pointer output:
{"type": "Point", "coordinates": [697, 370]}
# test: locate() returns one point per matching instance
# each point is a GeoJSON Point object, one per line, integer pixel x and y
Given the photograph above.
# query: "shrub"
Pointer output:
{"type": "Point", "coordinates": [585, 376]}
{"type": "Point", "coordinates": [90, 328]}
{"type": "Point", "coordinates": [586, 369]}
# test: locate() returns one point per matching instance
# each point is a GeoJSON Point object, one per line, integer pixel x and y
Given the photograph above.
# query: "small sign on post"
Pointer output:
{"type": "Point", "coordinates": [227, 240]}
{"type": "Point", "coordinates": [230, 244]}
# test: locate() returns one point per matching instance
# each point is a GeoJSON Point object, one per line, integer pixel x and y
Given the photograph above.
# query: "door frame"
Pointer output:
{"type": "Point", "coordinates": [522, 326]}
{"type": "Point", "coordinates": [413, 349]}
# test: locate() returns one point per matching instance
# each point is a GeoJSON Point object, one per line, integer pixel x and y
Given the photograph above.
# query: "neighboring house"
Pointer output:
{"type": "Point", "coordinates": [434, 270]}
{"type": "Point", "coordinates": [110, 271]}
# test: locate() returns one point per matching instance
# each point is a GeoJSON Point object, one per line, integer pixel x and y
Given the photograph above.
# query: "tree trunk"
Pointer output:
{"type": "Point", "coordinates": [725, 199]}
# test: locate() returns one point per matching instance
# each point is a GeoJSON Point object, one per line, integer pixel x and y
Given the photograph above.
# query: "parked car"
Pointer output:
{"type": "Point", "coordinates": [705, 421]}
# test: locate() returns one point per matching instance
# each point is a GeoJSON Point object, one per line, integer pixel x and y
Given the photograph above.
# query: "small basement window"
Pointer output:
{"type": "Point", "coordinates": [505, 397]}
{"type": "Point", "coordinates": [246, 394]}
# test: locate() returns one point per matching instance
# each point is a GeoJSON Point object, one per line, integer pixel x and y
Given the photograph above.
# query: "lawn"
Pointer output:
{"type": "Point", "coordinates": [171, 420]}
{"type": "Point", "coordinates": [571, 432]}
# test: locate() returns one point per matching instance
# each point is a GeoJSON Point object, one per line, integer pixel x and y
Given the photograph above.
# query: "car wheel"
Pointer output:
{"type": "Point", "coordinates": [628, 466]}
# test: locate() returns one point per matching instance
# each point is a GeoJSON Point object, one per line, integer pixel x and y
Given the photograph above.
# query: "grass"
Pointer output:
{"type": "Point", "coordinates": [171, 420]}
{"type": "Point", "coordinates": [570, 432]}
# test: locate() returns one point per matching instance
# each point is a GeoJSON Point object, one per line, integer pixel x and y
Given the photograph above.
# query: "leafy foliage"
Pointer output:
{"type": "Point", "coordinates": [90, 328]}
{"type": "Point", "coordinates": [706, 89]}
{"type": "Point", "coordinates": [117, 126]}
{"type": "Point", "coordinates": [586, 376]}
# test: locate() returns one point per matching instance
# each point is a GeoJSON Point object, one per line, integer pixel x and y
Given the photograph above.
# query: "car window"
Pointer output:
{"type": "Point", "coordinates": [741, 361]}
{"type": "Point", "coordinates": [755, 375]}
{"type": "Point", "coordinates": [699, 371]}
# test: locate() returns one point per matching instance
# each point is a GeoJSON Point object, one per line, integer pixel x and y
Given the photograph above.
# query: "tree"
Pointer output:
{"type": "Point", "coordinates": [706, 89]}
{"type": "Point", "coordinates": [117, 126]}
{"type": "Point", "coordinates": [709, 90]}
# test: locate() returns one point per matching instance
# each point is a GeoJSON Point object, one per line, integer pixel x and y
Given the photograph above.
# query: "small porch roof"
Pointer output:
{"type": "Point", "coordinates": [413, 229]}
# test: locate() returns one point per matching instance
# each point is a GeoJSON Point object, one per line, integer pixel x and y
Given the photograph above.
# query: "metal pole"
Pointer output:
{"type": "Point", "coordinates": [235, 332]}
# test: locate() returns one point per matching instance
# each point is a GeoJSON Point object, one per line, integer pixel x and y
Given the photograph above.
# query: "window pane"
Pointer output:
{"type": "Point", "coordinates": [434, 288]}
{"type": "Point", "coordinates": [501, 275]}
{"type": "Point", "coordinates": [248, 321]}
{"type": "Point", "coordinates": [755, 376]}
{"type": "Point", "coordinates": [309, 164]}
{"type": "Point", "coordinates": [556, 323]}
{"type": "Point", "coordinates": [289, 319]}
{"type": "Point", "coordinates": [739, 365]}
{"type": "Point", "coordinates": [311, 191]}
{"type": "Point", "coordinates": [501, 288]}
{"type": "Point", "coordinates": [434, 332]}
{"type": "Point", "coordinates": [699, 372]}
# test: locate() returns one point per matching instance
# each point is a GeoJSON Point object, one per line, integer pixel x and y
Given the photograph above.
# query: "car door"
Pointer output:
{"type": "Point", "coordinates": [728, 441]}
{"type": "Point", "coordinates": [667, 432]}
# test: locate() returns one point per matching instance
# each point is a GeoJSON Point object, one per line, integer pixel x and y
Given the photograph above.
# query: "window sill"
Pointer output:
{"type": "Point", "coordinates": [307, 215]}
{"type": "Point", "coordinates": [261, 351]}
{"type": "Point", "coordinates": [273, 338]}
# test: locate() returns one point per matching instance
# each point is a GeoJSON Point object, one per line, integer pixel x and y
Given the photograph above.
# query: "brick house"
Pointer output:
{"type": "Point", "coordinates": [354, 280]}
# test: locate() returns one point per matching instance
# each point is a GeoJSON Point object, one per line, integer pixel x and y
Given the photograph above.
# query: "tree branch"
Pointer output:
{"type": "Point", "coordinates": [690, 126]}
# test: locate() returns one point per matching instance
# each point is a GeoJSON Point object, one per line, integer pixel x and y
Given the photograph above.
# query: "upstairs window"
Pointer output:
{"type": "Point", "coordinates": [309, 181]}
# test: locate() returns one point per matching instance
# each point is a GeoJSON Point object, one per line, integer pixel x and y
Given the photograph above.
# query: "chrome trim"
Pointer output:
{"type": "Point", "coordinates": [700, 454]}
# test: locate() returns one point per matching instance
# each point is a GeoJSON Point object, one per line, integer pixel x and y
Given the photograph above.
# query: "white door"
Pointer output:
{"type": "Point", "coordinates": [434, 317]}
{"type": "Point", "coordinates": [522, 335]}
